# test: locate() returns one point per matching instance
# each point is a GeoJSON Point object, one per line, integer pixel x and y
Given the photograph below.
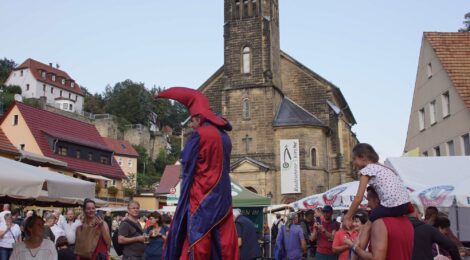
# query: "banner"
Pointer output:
{"type": "Point", "coordinates": [290, 166]}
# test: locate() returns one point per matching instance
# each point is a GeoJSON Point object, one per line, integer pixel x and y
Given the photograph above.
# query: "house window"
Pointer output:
{"type": "Point", "coordinates": [43, 74]}
{"type": "Point", "coordinates": [90, 156]}
{"type": "Point", "coordinates": [27, 87]}
{"type": "Point", "coordinates": [63, 150]}
{"type": "Point", "coordinates": [466, 144]}
{"type": "Point", "coordinates": [120, 161]}
{"type": "Point", "coordinates": [445, 104]}
{"type": "Point", "coordinates": [64, 106]}
{"type": "Point", "coordinates": [425, 154]}
{"type": "Point", "coordinates": [61, 93]}
{"type": "Point", "coordinates": [44, 88]}
{"type": "Point", "coordinates": [70, 95]}
{"type": "Point", "coordinates": [114, 182]}
{"type": "Point", "coordinates": [76, 97]}
{"type": "Point", "coordinates": [432, 112]}
{"type": "Point", "coordinates": [246, 108]}
{"type": "Point", "coordinates": [313, 157]}
{"type": "Point", "coordinates": [77, 154]}
{"type": "Point", "coordinates": [52, 90]}
{"type": "Point", "coordinates": [21, 73]}
{"type": "Point", "coordinates": [63, 81]}
{"type": "Point", "coordinates": [15, 119]}
{"type": "Point", "coordinates": [450, 148]}
{"type": "Point", "coordinates": [104, 159]}
{"type": "Point", "coordinates": [70, 107]}
{"type": "Point", "coordinates": [421, 119]}
{"type": "Point", "coordinates": [72, 84]}
{"type": "Point", "coordinates": [53, 77]}
{"type": "Point", "coordinates": [129, 163]}
{"type": "Point", "coordinates": [429, 70]}
{"type": "Point", "coordinates": [22, 147]}
{"type": "Point", "coordinates": [437, 151]}
{"type": "Point", "coordinates": [246, 59]}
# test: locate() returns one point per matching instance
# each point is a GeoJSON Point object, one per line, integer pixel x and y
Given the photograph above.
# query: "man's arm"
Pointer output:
{"type": "Point", "coordinates": [444, 242]}
{"type": "Point", "coordinates": [124, 231]}
{"type": "Point", "coordinates": [379, 247]}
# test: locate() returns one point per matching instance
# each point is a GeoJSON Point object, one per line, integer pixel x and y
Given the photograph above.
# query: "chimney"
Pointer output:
{"type": "Point", "coordinates": [50, 64]}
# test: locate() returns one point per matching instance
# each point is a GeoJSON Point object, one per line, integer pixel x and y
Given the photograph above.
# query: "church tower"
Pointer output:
{"type": "Point", "coordinates": [252, 79]}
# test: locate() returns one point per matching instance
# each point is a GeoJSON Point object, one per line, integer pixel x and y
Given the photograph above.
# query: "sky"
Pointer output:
{"type": "Point", "coordinates": [369, 49]}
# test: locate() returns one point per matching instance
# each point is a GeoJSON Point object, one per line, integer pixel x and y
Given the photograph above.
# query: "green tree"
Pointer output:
{"type": "Point", "coordinates": [146, 173]}
{"type": "Point", "coordinates": [129, 100]}
{"type": "Point", "coordinates": [169, 114]}
{"type": "Point", "coordinates": [466, 23]}
{"type": "Point", "coordinates": [7, 96]}
{"type": "Point", "coordinates": [6, 66]}
{"type": "Point", "coordinates": [93, 103]}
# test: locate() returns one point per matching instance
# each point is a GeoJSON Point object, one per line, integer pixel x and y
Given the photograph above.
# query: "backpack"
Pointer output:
{"type": "Point", "coordinates": [114, 239]}
{"type": "Point", "coordinates": [274, 231]}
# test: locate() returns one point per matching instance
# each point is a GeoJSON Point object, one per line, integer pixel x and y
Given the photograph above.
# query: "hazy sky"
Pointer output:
{"type": "Point", "coordinates": [369, 49]}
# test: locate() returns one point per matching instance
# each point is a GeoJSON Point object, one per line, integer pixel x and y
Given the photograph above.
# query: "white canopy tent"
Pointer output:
{"type": "Point", "coordinates": [339, 197]}
{"type": "Point", "coordinates": [19, 181]}
{"type": "Point", "coordinates": [443, 182]}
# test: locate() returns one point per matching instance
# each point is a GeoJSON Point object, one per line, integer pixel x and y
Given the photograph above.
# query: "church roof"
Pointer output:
{"type": "Point", "coordinates": [291, 114]}
{"type": "Point", "coordinates": [453, 50]}
{"type": "Point", "coordinates": [252, 160]}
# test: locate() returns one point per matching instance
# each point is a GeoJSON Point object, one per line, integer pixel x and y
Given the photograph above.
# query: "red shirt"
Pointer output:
{"type": "Point", "coordinates": [338, 241]}
{"type": "Point", "coordinates": [400, 235]}
{"type": "Point", "coordinates": [323, 243]}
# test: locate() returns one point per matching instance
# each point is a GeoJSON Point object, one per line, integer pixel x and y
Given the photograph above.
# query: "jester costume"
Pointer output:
{"type": "Point", "coordinates": [203, 226]}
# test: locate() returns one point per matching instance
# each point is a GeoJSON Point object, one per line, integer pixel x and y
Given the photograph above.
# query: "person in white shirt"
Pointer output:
{"type": "Point", "coordinates": [60, 218]}
{"type": "Point", "coordinates": [51, 222]}
{"type": "Point", "coordinates": [10, 233]}
{"type": "Point", "coordinates": [35, 247]}
{"type": "Point", "coordinates": [70, 227]}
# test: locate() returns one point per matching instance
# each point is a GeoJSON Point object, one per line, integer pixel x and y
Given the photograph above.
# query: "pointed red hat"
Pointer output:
{"type": "Point", "coordinates": [195, 102]}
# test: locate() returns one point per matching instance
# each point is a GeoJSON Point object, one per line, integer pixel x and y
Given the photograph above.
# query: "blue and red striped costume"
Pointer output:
{"type": "Point", "coordinates": [203, 226]}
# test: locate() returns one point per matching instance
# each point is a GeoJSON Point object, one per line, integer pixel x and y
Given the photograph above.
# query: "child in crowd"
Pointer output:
{"type": "Point", "coordinates": [394, 198]}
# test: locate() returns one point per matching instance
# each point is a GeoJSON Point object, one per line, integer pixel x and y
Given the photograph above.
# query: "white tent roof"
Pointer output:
{"type": "Point", "coordinates": [436, 181]}
{"type": "Point", "coordinates": [23, 181]}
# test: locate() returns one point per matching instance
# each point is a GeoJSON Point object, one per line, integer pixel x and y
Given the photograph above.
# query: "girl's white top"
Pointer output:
{"type": "Point", "coordinates": [389, 186]}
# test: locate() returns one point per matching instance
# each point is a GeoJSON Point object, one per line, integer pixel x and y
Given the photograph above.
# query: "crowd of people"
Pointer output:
{"type": "Point", "coordinates": [87, 235]}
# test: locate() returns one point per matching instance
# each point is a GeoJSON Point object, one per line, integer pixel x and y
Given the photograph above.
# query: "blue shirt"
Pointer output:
{"type": "Point", "coordinates": [291, 241]}
{"type": "Point", "coordinates": [246, 230]}
{"type": "Point", "coordinates": [154, 248]}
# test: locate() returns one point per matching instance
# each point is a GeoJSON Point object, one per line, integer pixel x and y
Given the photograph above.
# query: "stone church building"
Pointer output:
{"type": "Point", "coordinates": [269, 96]}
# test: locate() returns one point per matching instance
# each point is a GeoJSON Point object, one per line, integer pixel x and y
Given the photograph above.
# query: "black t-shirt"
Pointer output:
{"type": "Point", "coordinates": [247, 232]}
{"type": "Point", "coordinates": [65, 254]}
{"type": "Point", "coordinates": [132, 249]}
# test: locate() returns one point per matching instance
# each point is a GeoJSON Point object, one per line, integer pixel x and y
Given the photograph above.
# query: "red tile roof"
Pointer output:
{"type": "Point", "coordinates": [453, 50]}
{"type": "Point", "coordinates": [36, 67]}
{"type": "Point", "coordinates": [170, 178]}
{"type": "Point", "coordinates": [6, 146]}
{"type": "Point", "coordinates": [121, 147]}
{"type": "Point", "coordinates": [43, 123]}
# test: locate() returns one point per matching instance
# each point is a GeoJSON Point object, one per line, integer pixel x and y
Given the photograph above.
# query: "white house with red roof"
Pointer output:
{"type": "Point", "coordinates": [74, 142]}
{"type": "Point", "coordinates": [37, 80]}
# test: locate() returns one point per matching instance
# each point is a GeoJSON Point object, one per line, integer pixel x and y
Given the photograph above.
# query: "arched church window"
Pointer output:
{"type": "Point", "coordinates": [236, 13]}
{"type": "Point", "coordinates": [313, 157]}
{"type": "Point", "coordinates": [246, 60]}
{"type": "Point", "coordinates": [246, 109]}
{"type": "Point", "coordinates": [246, 8]}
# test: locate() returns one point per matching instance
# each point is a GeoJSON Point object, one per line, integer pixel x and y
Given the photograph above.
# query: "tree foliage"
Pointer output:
{"type": "Point", "coordinates": [94, 103]}
{"type": "Point", "coordinates": [146, 172]}
{"type": "Point", "coordinates": [6, 66]}
{"type": "Point", "coordinates": [466, 23]}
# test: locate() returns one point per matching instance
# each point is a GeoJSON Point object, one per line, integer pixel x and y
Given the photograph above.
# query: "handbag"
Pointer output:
{"type": "Point", "coordinates": [86, 243]}
{"type": "Point", "coordinates": [439, 256]}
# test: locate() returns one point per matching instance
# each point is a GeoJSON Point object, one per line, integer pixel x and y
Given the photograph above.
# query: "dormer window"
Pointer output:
{"type": "Point", "coordinates": [63, 81]}
{"type": "Point", "coordinates": [43, 74]}
{"type": "Point", "coordinates": [72, 84]}
{"type": "Point", "coordinates": [53, 77]}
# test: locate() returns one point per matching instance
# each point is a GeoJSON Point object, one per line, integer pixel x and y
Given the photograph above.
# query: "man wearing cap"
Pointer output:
{"type": "Point", "coordinates": [203, 226]}
{"type": "Point", "coordinates": [324, 232]}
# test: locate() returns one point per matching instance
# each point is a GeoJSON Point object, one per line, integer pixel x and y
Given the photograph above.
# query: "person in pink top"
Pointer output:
{"type": "Point", "coordinates": [339, 247]}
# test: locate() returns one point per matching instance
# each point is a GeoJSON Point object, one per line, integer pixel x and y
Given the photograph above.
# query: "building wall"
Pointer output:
{"type": "Point", "coordinates": [20, 133]}
{"type": "Point", "coordinates": [429, 89]}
